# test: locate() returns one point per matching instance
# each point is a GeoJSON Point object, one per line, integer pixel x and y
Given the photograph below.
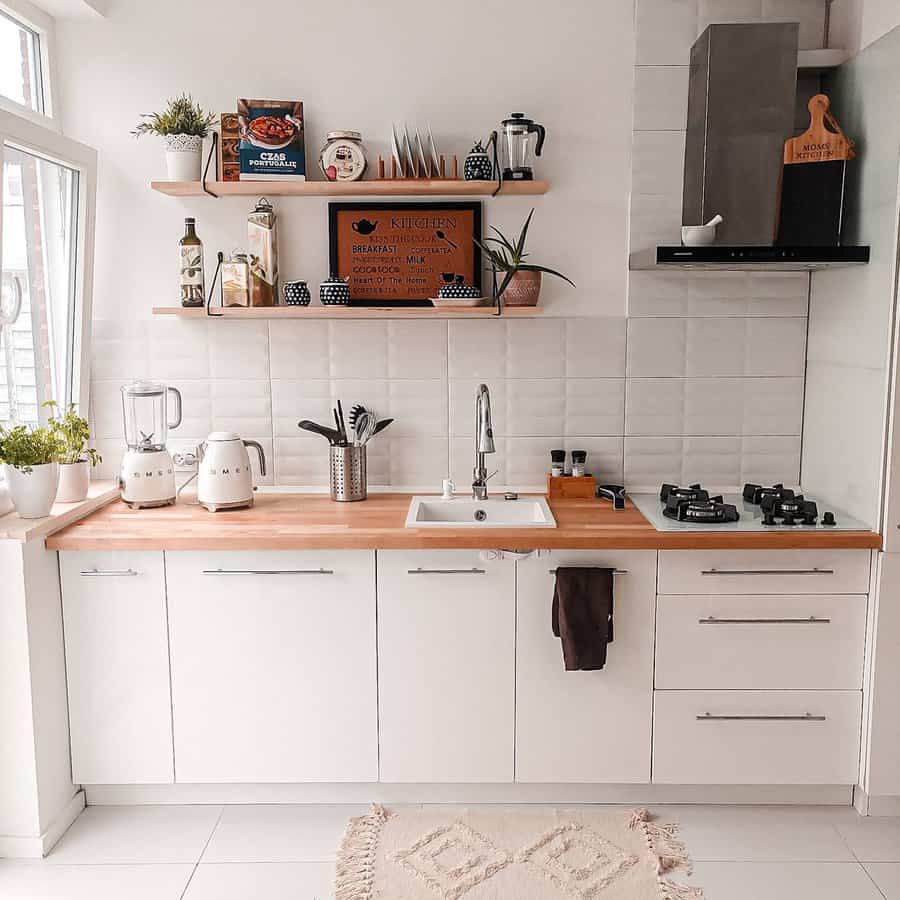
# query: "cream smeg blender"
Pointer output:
{"type": "Point", "coordinates": [147, 476]}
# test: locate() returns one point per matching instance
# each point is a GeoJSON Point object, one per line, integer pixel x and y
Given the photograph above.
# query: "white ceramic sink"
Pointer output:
{"type": "Point", "coordinates": [463, 512]}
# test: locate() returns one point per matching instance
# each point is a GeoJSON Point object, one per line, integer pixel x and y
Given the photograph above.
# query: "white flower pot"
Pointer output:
{"type": "Point", "coordinates": [32, 488]}
{"type": "Point", "coordinates": [184, 157]}
{"type": "Point", "coordinates": [74, 480]}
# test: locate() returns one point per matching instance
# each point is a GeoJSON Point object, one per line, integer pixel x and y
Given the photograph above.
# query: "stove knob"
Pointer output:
{"type": "Point", "coordinates": [809, 519]}
{"type": "Point", "coordinates": [788, 519]}
{"type": "Point", "coordinates": [828, 519]}
{"type": "Point", "coordinates": [769, 519]}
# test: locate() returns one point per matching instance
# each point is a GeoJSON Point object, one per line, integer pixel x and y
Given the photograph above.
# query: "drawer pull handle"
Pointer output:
{"type": "Point", "coordinates": [421, 571]}
{"type": "Point", "coordinates": [810, 620]}
{"type": "Point", "coordinates": [806, 717]}
{"type": "Point", "coordinates": [615, 571]}
{"type": "Point", "coordinates": [815, 571]}
{"type": "Point", "coordinates": [107, 573]}
{"type": "Point", "coordinates": [268, 572]}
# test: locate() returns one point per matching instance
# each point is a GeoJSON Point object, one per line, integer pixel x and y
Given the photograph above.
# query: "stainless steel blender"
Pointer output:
{"type": "Point", "coordinates": [516, 146]}
{"type": "Point", "coordinates": [147, 477]}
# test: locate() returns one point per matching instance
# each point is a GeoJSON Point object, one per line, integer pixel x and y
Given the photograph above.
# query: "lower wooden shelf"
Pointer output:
{"type": "Point", "coordinates": [346, 312]}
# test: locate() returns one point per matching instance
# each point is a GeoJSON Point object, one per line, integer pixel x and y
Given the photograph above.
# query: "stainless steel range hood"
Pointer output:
{"type": "Point", "coordinates": [756, 259]}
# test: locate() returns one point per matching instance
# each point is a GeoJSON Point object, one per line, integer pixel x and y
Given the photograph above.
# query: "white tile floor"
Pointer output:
{"type": "Point", "coordinates": [287, 853]}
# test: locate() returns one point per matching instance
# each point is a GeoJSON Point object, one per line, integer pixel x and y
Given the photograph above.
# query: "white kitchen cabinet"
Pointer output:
{"type": "Point", "coordinates": [117, 666]}
{"type": "Point", "coordinates": [756, 737]}
{"type": "Point", "coordinates": [446, 666]}
{"type": "Point", "coordinates": [273, 665]}
{"type": "Point", "coordinates": [585, 726]}
{"type": "Point", "coordinates": [764, 571]}
{"type": "Point", "coordinates": [760, 641]}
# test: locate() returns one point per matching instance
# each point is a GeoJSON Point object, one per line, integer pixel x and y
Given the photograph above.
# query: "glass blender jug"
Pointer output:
{"type": "Point", "coordinates": [147, 477]}
{"type": "Point", "coordinates": [516, 146]}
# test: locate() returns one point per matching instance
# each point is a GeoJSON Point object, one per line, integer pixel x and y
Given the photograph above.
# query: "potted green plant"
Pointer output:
{"type": "Point", "coordinates": [183, 124]}
{"type": "Point", "coordinates": [31, 468]}
{"type": "Point", "coordinates": [521, 284]}
{"type": "Point", "coordinates": [76, 458]}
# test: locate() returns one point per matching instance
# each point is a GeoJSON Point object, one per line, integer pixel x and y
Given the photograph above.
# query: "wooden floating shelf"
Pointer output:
{"type": "Point", "coordinates": [346, 312]}
{"type": "Point", "coordinates": [821, 60]}
{"type": "Point", "coordinates": [413, 187]}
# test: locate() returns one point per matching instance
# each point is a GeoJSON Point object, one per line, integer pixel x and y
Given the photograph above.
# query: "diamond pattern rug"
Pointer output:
{"type": "Point", "coordinates": [510, 853]}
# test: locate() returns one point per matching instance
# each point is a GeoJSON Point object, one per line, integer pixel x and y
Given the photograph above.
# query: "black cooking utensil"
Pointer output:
{"type": "Point", "coordinates": [381, 425]}
{"type": "Point", "coordinates": [343, 425]}
{"type": "Point", "coordinates": [332, 436]}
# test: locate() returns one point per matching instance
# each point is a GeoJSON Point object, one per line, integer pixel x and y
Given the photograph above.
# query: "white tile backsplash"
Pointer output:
{"type": "Point", "coordinates": [595, 348]}
{"type": "Point", "coordinates": [238, 349]}
{"type": "Point", "coordinates": [660, 98]}
{"type": "Point", "coordinates": [657, 162]}
{"type": "Point", "coordinates": [535, 348]}
{"type": "Point", "coordinates": [417, 349]}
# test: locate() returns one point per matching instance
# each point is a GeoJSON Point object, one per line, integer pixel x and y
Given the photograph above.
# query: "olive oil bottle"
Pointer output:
{"type": "Point", "coordinates": [190, 248]}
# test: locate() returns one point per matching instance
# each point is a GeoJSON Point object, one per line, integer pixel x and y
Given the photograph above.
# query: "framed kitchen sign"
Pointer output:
{"type": "Point", "coordinates": [399, 254]}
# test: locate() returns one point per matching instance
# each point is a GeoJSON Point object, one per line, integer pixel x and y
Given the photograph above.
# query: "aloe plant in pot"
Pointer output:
{"type": "Point", "coordinates": [76, 458]}
{"type": "Point", "coordinates": [521, 284]}
{"type": "Point", "coordinates": [30, 458]}
{"type": "Point", "coordinates": [183, 124]}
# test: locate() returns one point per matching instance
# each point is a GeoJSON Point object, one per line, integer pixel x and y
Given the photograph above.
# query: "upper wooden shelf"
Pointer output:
{"type": "Point", "coordinates": [820, 60]}
{"type": "Point", "coordinates": [346, 312]}
{"type": "Point", "coordinates": [413, 187]}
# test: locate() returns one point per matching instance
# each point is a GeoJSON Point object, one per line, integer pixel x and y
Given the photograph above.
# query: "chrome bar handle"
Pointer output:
{"type": "Point", "coordinates": [813, 571]}
{"type": "Point", "coordinates": [107, 573]}
{"type": "Point", "coordinates": [614, 571]}
{"type": "Point", "coordinates": [806, 717]}
{"type": "Point", "coordinates": [421, 571]}
{"type": "Point", "coordinates": [268, 571]}
{"type": "Point", "coordinates": [810, 620]}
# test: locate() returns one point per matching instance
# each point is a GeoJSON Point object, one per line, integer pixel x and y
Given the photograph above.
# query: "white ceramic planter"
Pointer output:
{"type": "Point", "coordinates": [184, 157]}
{"type": "Point", "coordinates": [74, 480]}
{"type": "Point", "coordinates": [33, 489]}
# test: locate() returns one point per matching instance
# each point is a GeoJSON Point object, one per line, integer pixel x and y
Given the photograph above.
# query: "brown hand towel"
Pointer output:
{"type": "Point", "coordinates": [583, 615]}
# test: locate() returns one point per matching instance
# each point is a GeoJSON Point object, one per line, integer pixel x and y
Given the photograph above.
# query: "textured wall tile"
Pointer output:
{"type": "Point", "coordinates": [535, 407]}
{"type": "Point", "coordinates": [242, 406]}
{"type": "Point", "coordinates": [809, 13]}
{"type": "Point", "coordinates": [660, 98]}
{"type": "Point", "coordinates": [657, 294]}
{"type": "Point", "coordinates": [654, 406]}
{"type": "Point", "coordinates": [666, 29]}
{"type": "Point", "coordinates": [773, 406]}
{"type": "Point", "coordinates": [776, 346]}
{"type": "Point", "coordinates": [604, 460]}
{"type": "Point", "coordinates": [299, 349]}
{"type": "Point", "coordinates": [119, 349]}
{"type": "Point", "coordinates": [477, 349]}
{"type": "Point", "coordinates": [594, 406]}
{"type": "Point", "coordinates": [656, 347]}
{"type": "Point", "coordinates": [418, 407]}
{"type": "Point", "coordinates": [239, 349]}
{"type": "Point", "coordinates": [765, 460]}
{"type": "Point", "coordinates": [649, 461]}
{"type": "Point", "coordinates": [716, 12]}
{"type": "Point", "coordinates": [716, 347]}
{"type": "Point", "coordinates": [301, 460]}
{"type": "Point", "coordinates": [655, 220]}
{"type": "Point", "coordinates": [535, 348]}
{"type": "Point", "coordinates": [417, 463]}
{"type": "Point", "coordinates": [295, 400]}
{"type": "Point", "coordinates": [595, 347]}
{"type": "Point", "coordinates": [713, 406]}
{"type": "Point", "coordinates": [417, 349]}
{"type": "Point", "coordinates": [713, 460]}
{"type": "Point", "coordinates": [358, 349]}
{"type": "Point", "coordinates": [657, 163]}
{"type": "Point", "coordinates": [179, 348]}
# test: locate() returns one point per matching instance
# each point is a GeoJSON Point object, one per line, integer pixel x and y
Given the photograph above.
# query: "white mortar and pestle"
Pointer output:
{"type": "Point", "coordinates": [700, 235]}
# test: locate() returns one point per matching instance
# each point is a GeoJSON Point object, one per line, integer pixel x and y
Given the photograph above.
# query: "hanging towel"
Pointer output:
{"type": "Point", "coordinates": [583, 616]}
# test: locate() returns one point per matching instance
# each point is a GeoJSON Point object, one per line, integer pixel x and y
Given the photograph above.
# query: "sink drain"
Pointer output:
{"type": "Point", "coordinates": [480, 515]}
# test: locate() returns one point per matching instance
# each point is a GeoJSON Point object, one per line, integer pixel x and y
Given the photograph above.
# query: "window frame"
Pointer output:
{"type": "Point", "coordinates": [37, 139]}
{"type": "Point", "coordinates": [41, 24]}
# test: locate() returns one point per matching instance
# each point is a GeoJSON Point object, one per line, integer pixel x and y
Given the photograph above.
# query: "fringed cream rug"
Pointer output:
{"type": "Point", "coordinates": [510, 853]}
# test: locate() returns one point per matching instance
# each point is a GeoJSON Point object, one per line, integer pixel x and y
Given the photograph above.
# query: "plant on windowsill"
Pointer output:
{"type": "Point", "coordinates": [521, 284]}
{"type": "Point", "coordinates": [76, 458]}
{"type": "Point", "coordinates": [183, 124]}
{"type": "Point", "coordinates": [30, 458]}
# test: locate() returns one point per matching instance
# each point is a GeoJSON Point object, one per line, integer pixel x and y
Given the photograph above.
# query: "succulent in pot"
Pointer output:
{"type": "Point", "coordinates": [521, 284]}
{"type": "Point", "coordinates": [183, 124]}
{"type": "Point", "coordinates": [30, 458]}
{"type": "Point", "coordinates": [76, 459]}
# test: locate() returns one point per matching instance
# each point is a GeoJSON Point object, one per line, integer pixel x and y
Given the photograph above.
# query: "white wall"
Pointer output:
{"type": "Point", "coordinates": [857, 23]}
{"type": "Point", "coordinates": [461, 67]}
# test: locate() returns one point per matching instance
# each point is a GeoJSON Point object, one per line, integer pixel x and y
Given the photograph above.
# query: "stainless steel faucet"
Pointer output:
{"type": "Point", "coordinates": [484, 442]}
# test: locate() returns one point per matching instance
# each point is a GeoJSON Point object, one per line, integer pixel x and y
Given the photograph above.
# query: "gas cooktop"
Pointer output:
{"type": "Point", "coordinates": [756, 508]}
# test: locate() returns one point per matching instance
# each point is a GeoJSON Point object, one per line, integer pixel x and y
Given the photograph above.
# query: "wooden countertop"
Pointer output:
{"type": "Point", "coordinates": [14, 528]}
{"type": "Point", "coordinates": [312, 521]}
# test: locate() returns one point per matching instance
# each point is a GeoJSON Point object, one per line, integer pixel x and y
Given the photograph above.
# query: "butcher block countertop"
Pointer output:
{"type": "Point", "coordinates": [281, 521]}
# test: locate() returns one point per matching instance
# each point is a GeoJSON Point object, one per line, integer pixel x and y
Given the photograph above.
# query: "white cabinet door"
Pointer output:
{"type": "Point", "coordinates": [273, 665]}
{"type": "Point", "coordinates": [446, 666]}
{"type": "Point", "coordinates": [756, 737]}
{"type": "Point", "coordinates": [117, 667]}
{"type": "Point", "coordinates": [585, 726]}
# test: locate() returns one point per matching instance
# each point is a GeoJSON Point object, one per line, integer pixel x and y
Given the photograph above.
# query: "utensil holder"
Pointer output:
{"type": "Point", "coordinates": [348, 474]}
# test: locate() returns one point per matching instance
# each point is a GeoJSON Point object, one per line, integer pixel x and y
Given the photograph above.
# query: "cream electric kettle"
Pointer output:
{"type": "Point", "coordinates": [225, 479]}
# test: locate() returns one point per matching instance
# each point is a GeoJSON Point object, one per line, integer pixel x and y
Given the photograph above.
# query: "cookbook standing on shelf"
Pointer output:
{"type": "Point", "coordinates": [271, 140]}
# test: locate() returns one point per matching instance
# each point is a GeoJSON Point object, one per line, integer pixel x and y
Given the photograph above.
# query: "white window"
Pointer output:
{"type": "Point", "coordinates": [47, 202]}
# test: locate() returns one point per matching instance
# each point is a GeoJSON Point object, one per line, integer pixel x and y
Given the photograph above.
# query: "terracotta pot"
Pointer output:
{"type": "Point", "coordinates": [74, 480]}
{"type": "Point", "coordinates": [524, 289]}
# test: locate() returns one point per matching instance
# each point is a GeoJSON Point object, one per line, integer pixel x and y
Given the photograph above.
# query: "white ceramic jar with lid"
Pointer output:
{"type": "Point", "coordinates": [343, 158]}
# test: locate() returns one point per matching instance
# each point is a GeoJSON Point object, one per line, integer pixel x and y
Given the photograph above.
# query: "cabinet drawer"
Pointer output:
{"type": "Point", "coordinates": [117, 666]}
{"type": "Point", "coordinates": [764, 571]}
{"type": "Point", "coordinates": [769, 641]}
{"type": "Point", "coordinates": [756, 737]}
